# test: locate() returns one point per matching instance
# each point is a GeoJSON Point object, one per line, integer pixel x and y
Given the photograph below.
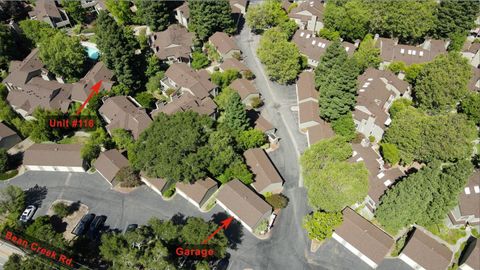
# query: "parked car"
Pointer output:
{"type": "Point", "coordinates": [28, 213]}
{"type": "Point", "coordinates": [131, 228]}
{"type": "Point", "coordinates": [83, 224]}
{"type": "Point", "coordinates": [96, 226]}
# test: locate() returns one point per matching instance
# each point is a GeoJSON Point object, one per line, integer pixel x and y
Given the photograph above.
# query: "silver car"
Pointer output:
{"type": "Point", "coordinates": [28, 213]}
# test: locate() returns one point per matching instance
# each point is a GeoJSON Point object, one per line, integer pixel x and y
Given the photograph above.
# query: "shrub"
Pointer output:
{"type": "Point", "coordinates": [3, 160]}
{"type": "Point", "coordinates": [61, 209]}
{"type": "Point", "coordinates": [237, 56]}
{"type": "Point", "coordinates": [344, 126]}
{"type": "Point", "coordinates": [399, 245]}
{"type": "Point", "coordinates": [145, 99]}
{"type": "Point", "coordinates": [256, 102]}
{"type": "Point", "coordinates": [128, 177]}
{"type": "Point", "coordinates": [170, 91]}
{"type": "Point", "coordinates": [371, 138]}
{"type": "Point", "coordinates": [277, 201]}
{"type": "Point", "coordinates": [390, 153]}
{"type": "Point", "coordinates": [167, 193]}
{"type": "Point", "coordinates": [320, 225]}
{"type": "Point", "coordinates": [262, 227]}
{"type": "Point", "coordinates": [199, 60]}
{"type": "Point", "coordinates": [247, 74]}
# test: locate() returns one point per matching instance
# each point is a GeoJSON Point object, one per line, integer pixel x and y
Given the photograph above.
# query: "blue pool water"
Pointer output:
{"type": "Point", "coordinates": [93, 53]}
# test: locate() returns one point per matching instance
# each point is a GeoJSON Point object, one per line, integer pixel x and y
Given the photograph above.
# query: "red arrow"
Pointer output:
{"type": "Point", "coordinates": [225, 224]}
{"type": "Point", "coordinates": [94, 90]}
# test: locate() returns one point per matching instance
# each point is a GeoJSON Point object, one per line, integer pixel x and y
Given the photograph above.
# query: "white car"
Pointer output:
{"type": "Point", "coordinates": [28, 213]}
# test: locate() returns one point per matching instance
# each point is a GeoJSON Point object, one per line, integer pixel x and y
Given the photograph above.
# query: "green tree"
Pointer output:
{"type": "Point", "coordinates": [265, 15]}
{"type": "Point", "coordinates": [122, 138]}
{"type": "Point", "coordinates": [323, 152]}
{"type": "Point", "coordinates": [153, 13]}
{"type": "Point", "coordinates": [281, 58]}
{"type": "Point", "coordinates": [63, 55]}
{"type": "Point", "coordinates": [61, 209]}
{"type": "Point", "coordinates": [455, 17]}
{"type": "Point", "coordinates": [237, 170]}
{"type": "Point", "coordinates": [90, 151]}
{"type": "Point", "coordinates": [399, 105]}
{"type": "Point", "coordinates": [220, 151]}
{"type": "Point", "coordinates": [169, 147]}
{"type": "Point", "coordinates": [120, 10]}
{"type": "Point", "coordinates": [36, 31]}
{"type": "Point", "coordinates": [329, 34]}
{"type": "Point", "coordinates": [426, 138]}
{"type": "Point", "coordinates": [75, 10]}
{"type": "Point", "coordinates": [154, 66]}
{"type": "Point", "coordinates": [146, 99]}
{"type": "Point", "coordinates": [16, 262]}
{"type": "Point", "coordinates": [165, 230]}
{"type": "Point", "coordinates": [251, 138]}
{"type": "Point", "coordinates": [11, 10]}
{"type": "Point", "coordinates": [3, 160]}
{"type": "Point", "coordinates": [8, 49]}
{"type": "Point", "coordinates": [424, 197]}
{"type": "Point", "coordinates": [43, 230]}
{"type": "Point", "coordinates": [367, 55]}
{"type": "Point", "coordinates": [337, 185]}
{"type": "Point", "coordinates": [118, 45]}
{"type": "Point", "coordinates": [344, 126]}
{"type": "Point", "coordinates": [221, 99]}
{"type": "Point", "coordinates": [223, 79]}
{"type": "Point", "coordinates": [199, 60]}
{"type": "Point", "coordinates": [349, 18]}
{"type": "Point", "coordinates": [390, 153]}
{"type": "Point", "coordinates": [208, 17]}
{"type": "Point", "coordinates": [289, 27]}
{"type": "Point", "coordinates": [442, 83]}
{"type": "Point", "coordinates": [336, 79]}
{"type": "Point", "coordinates": [277, 201]}
{"type": "Point", "coordinates": [470, 106]}
{"type": "Point", "coordinates": [12, 201]}
{"type": "Point", "coordinates": [235, 116]}
{"type": "Point", "coordinates": [320, 225]}
{"type": "Point", "coordinates": [41, 131]}
{"type": "Point", "coordinates": [196, 230]}
{"type": "Point", "coordinates": [407, 20]}
{"type": "Point", "coordinates": [153, 84]}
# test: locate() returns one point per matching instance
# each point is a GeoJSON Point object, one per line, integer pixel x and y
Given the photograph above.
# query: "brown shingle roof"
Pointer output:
{"type": "Point", "coordinates": [474, 83]}
{"type": "Point", "coordinates": [306, 86]}
{"type": "Point", "coordinates": [186, 77]}
{"type": "Point", "coordinates": [176, 42]}
{"type": "Point", "coordinates": [158, 183]}
{"type": "Point", "coordinates": [390, 51]}
{"type": "Point", "coordinates": [109, 163]}
{"type": "Point", "coordinates": [263, 169]}
{"type": "Point", "coordinates": [244, 88]}
{"type": "Point", "coordinates": [319, 132]}
{"type": "Point", "coordinates": [5, 131]}
{"type": "Point", "coordinates": [314, 47]}
{"type": "Point", "coordinates": [364, 236]}
{"type": "Point", "coordinates": [427, 252]}
{"type": "Point", "coordinates": [243, 202]}
{"type": "Point", "coordinates": [67, 155]}
{"type": "Point", "coordinates": [99, 72]}
{"type": "Point", "coordinates": [45, 8]}
{"type": "Point", "coordinates": [262, 124]}
{"type": "Point", "coordinates": [308, 111]}
{"type": "Point", "coordinates": [473, 259]}
{"type": "Point", "coordinates": [306, 9]}
{"type": "Point", "coordinates": [197, 190]}
{"type": "Point", "coordinates": [122, 113]}
{"type": "Point", "coordinates": [469, 204]}
{"type": "Point", "coordinates": [223, 43]}
{"type": "Point", "coordinates": [232, 63]}
{"type": "Point", "coordinates": [185, 103]}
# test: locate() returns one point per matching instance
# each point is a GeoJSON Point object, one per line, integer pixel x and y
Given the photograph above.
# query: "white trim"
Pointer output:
{"type": "Point", "coordinates": [355, 251]}
{"type": "Point", "coordinates": [410, 262]}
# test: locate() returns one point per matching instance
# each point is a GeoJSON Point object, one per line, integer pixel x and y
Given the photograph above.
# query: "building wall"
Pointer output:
{"type": "Point", "coordinates": [208, 195]}
{"type": "Point", "coordinates": [355, 251]}
{"type": "Point", "coordinates": [187, 198]}
{"type": "Point", "coordinates": [181, 19]}
{"type": "Point", "coordinates": [154, 188]}
{"type": "Point", "coordinates": [273, 188]}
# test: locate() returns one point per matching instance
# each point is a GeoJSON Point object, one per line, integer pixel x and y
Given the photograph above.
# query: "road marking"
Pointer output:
{"type": "Point", "coordinates": [67, 183]}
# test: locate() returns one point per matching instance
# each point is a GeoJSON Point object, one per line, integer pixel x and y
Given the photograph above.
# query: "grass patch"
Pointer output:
{"type": "Point", "coordinates": [73, 140]}
{"type": "Point", "coordinates": [8, 175]}
{"type": "Point", "coordinates": [451, 236]}
{"type": "Point", "coordinates": [475, 233]}
{"type": "Point", "coordinates": [399, 245]}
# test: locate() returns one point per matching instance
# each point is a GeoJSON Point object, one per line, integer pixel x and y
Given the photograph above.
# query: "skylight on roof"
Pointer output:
{"type": "Point", "coordinates": [323, 45]}
{"type": "Point", "coordinates": [467, 190]}
{"type": "Point", "coordinates": [402, 51]}
{"type": "Point", "coordinates": [313, 42]}
{"type": "Point", "coordinates": [366, 84]}
{"type": "Point", "coordinates": [414, 52]}
{"type": "Point", "coordinates": [387, 183]}
{"type": "Point", "coordinates": [354, 153]}
{"type": "Point", "coordinates": [370, 79]}
{"type": "Point", "coordinates": [409, 52]}
{"type": "Point", "coordinates": [347, 48]}
{"type": "Point", "coordinates": [359, 159]}
{"type": "Point", "coordinates": [477, 189]}
{"type": "Point", "coordinates": [301, 34]}
{"type": "Point", "coordinates": [380, 175]}
{"type": "Point", "coordinates": [308, 36]}
{"type": "Point", "coordinates": [420, 53]}
{"type": "Point", "coordinates": [319, 44]}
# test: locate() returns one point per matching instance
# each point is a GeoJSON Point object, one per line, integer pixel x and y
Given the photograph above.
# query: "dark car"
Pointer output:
{"type": "Point", "coordinates": [131, 227]}
{"type": "Point", "coordinates": [96, 226]}
{"type": "Point", "coordinates": [83, 224]}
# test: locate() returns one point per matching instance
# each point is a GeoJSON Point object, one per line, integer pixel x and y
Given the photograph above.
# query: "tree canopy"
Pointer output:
{"type": "Point", "coordinates": [336, 80]}
{"type": "Point", "coordinates": [8, 50]}
{"type": "Point", "coordinates": [470, 106]}
{"type": "Point", "coordinates": [325, 151]}
{"type": "Point", "coordinates": [118, 50]}
{"type": "Point", "coordinates": [266, 15]}
{"type": "Point", "coordinates": [281, 58]}
{"type": "Point", "coordinates": [155, 14]}
{"type": "Point", "coordinates": [349, 18]}
{"type": "Point", "coordinates": [425, 138]}
{"type": "Point", "coordinates": [208, 17]}
{"type": "Point", "coordinates": [455, 17]}
{"type": "Point", "coordinates": [320, 225]}
{"type": "Point", "coordinates": [442, 83]}
{"type": "Point", "coordinates": [63, 55]}
{"type": "Point", "coordinates": [367, 54]}
{"type": "Point", "coordinates": [424, 197]}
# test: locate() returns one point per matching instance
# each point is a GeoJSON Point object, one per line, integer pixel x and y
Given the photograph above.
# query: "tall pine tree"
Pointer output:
{"type": "Point", "coordinates": [153, 13]}
{"type": "Point", "coordinates": [235, 117]}
{"type": "Point", "coordinates": [336, 79]}
{"type": "Point", "coordinates": [455, 16]}
{"type": "Point", "coordinates": [118, 50]}
{"type": "Point", "coordinates": [208, 17]}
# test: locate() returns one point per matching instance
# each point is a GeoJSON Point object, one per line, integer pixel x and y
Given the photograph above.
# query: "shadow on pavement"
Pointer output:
{"type": "Point", "coordinates": [234, 232]}
{"type": "Point", "coordinates": [179, 219]}
{"type": "Point", "coordinates": [58, 224]}
{"type": "Point", "coordinates": [35, 195]}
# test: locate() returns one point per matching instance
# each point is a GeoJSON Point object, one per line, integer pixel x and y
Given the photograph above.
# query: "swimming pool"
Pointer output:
{"type": "Point", "coordinates": [91, 49]}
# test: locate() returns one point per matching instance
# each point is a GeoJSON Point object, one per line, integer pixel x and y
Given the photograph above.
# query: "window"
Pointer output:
{"type": "Point", "coordinates": [414, 52]}
{"type": "Point", "coordinates": [402, 51]}
{"type": "Point", "coordinates": [476, 189]}
{"type": "Point", "coordinates": [467, 190]}
{"type": "Point", "coordinates": [409, 52]}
